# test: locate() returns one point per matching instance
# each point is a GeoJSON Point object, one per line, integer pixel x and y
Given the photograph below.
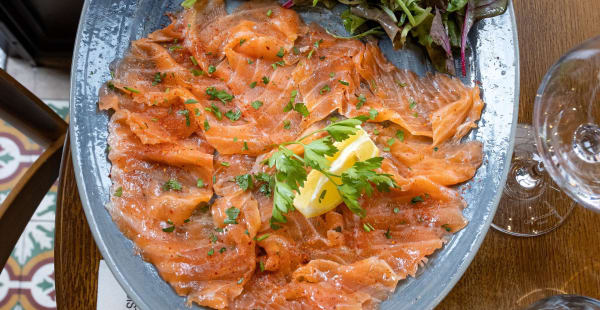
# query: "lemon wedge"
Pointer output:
{"type": "Point", "coordinates": [319, 195]}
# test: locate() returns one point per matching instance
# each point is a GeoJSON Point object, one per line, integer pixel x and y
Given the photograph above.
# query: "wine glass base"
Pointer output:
{"type": "Point", "coordinates": [531, 204]}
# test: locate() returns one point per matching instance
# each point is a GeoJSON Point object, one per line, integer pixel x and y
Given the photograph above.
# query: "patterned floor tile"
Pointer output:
{"type": "Point", "coordinates": [27, 280]}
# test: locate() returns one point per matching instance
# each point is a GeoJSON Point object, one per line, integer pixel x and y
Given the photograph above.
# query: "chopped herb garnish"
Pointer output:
{"type": "Point", "coordinates": [233, 115]}
{"type": "Point", "coordinates": [400, 135]}
{"type": "Point", "coordinates": [257, 104]}
{"type": "Point", "coordinates": [110, 85]}
{"type": "Point", "coordinates": [214, 179]}
{"type": "Point", "coordinates": [188, 3]}
{"type": "Point", "coordinates": [447, 227]}
{"type": "Point", "coordinates": [361, 101]}
{"type": "Point", "coordinates": [225, 164]}
{"type": "Point", "coordinates": [242, 41]}
{"type": "Point", "coordinates": [396, 210]}
{"type": "Point", "coordinates": [222, 95]}
{"type": "Point", "coordinates": [416, 199]}
{"type": "Point", "coordinates": [185, 113]}
{"type": "Point", "coordinates": [186, 220]}
{"type": "Point", "coordinates": [261, 265]}
{"type": "Point", "coordinates": [376, 132]}
{"type": "Point", "coordinates": [286, 124]}
{"type": "Point", "coordinates": [244, 181]}
{"type": "Point", "coordinates": [196, 72]}
{"type": "Point", "coordinates": [296, 50]}
{"type": "Point", "coordinates": [301, 108]}
{"type": "Point", "coordinates": [169, 229]}
{"type": "Point", "coordinates": [435, 149]}
{"type": "Point", "coordinates": [265, 80]}
{"type": "Point", "coordinates": [373, 113]}
{"type": "Point", "coordinates": [175, 47]}
{"type": "Point", "coordinates": [223, 249]}
{"type": "Point", "coordinates": [245, 147]}
{"type": "Point", "coordinates": [193, 59]}
{"type": "Point", "coordinates": [253, 84]}
{"type": "Point", "coordinates": [331, 74]}
{"type": "Point", "coordinates": [235, 139]}
{"type": "Point", "coordinates": [118, 191]}
{"type": "Point", "coordinates": [240, 281]}
{"type": "Point", "coordinates": [401, 84]}
{"type": "Point", "coordinates": [213, 238]}
{"type": "Point", "coordinates": [338, 229]}
{"type": "Point", "coordinates": [416, 114]}
{"type": "Point", "coordinates": [412, 104]}
{"type": "Point", "coordinates": [211, 69]}
{"type": "Point", "coordinates": [246, 232]}
{"type": "Point", "coordinates": [219, 229]}
{"type": "Point", "coordinates": [279, 63]}
{"type": "Point", "coordinates": [368, 227]}
{"type": "Point", "coordinates": [261, 238]}
{"type": "Point", "coordinates": [211, 252]}
{"type": "Point", "coordinates": [199, 183]}
{"type": "Point", "coordinates": [391, 141]}
{"type": "Point", "coordinates": [274, 226]}
{"type": "Point", "coordinates": [387, 234]}
{"type": "Point", "coordinates": [269, 13]}
{"type": "Point", "coordinates": [344, 82]}
{"type": "Point", "coordinates": [324, 89]}
{"type": "Point", "coordinates": [386, 149]}
{"type": "Point", "coordinates": [154, 119]}
{"type": "Point", "coordinates": [133, 90]}
{"type": "Point", "coordinates": [191, 101]}
{"type": "Point", "coordinates": [172, 184]}
{"type": "Point", "coordinates": [250, 61]}
{"type": "Point", "coordinates": [158, 77]}
{"type": "Point", "coordinates": [209, 53]}
{"type": "Point", "coordinates": [318, 43]}
{"type": "Point", "coordinates": [206, 125]}
{"type": "Point", "coordinates": [322, 195]}
{"type": "Point", "coordinates": [232, 215]}
{"type": "Point", "coordinates": [281, 52]}
{"type": "Point", "coordinates": [322, 57]}
{"type": "Point", "coordinates": [310, 53]}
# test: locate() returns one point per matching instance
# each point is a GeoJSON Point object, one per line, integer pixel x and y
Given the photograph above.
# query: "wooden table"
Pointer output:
{"type": "Point", "coordinates": [507, 273]}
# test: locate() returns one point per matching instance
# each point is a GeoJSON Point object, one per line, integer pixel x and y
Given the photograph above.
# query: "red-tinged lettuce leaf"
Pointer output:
{"type": "Point", "coordinates": [438, 33]}
{"type": "Point", "coordinates": [467, 24]}
{"type": "Point", "coordinates": [386, 22]}
{"type": "Point", "coordinates": [476, 10]}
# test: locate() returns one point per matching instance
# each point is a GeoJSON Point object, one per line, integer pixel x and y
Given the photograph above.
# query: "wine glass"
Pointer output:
{"type": "Point", "coordinates": [559, 156]}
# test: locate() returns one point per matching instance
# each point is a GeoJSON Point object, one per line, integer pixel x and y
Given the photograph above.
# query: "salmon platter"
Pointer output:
{"type": "Point", "coordinates": [257, 160]}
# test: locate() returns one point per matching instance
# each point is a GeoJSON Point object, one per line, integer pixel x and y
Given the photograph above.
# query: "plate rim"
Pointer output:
{"type": "Point", "coordinates": [111, 262]}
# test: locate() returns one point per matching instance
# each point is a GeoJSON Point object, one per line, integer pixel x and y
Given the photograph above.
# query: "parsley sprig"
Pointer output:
{"type": "Point", "coordinates": [291, 174]}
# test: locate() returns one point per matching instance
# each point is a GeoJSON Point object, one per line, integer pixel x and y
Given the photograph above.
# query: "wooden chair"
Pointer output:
{"type": "Point", "coordinates": [23, 110]}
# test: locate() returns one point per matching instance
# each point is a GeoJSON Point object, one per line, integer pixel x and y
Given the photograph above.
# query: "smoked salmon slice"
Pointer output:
{"type": "Point", "coordinates": [198, 106]}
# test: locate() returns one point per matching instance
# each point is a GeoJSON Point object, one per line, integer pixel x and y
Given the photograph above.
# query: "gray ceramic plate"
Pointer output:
{"type": "Point", "coordinates": [107, 27]}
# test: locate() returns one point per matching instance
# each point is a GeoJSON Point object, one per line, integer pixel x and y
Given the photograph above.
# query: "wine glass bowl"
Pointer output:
{"type": "Point", "coordinates": [567, 118]}
{"type": "Point", "coordinates": [559, 156]}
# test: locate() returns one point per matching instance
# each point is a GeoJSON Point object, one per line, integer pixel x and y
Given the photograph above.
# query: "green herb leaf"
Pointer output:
{"type": "Point", "coordinates": [158, 78]}
{"type": "Point", "coordinates": [223, 249]}
{"type": "Point", "coordinates": [269, 13]}
{"type": "Point", "coordinates": [199, 183]}
{"type": "Point", "coordinates": [206, 125]}
{"type": "Point", "coordinates": [344, 82]}
{"type": "Point", "coordinates": [315, 152]}
{"type": "Point", "coordinates": [188, 3]}
{"type": "Point", "coordinates": [387, 234]}
{"type": "Point", "coordinates": [281, 52]}
{"type": "Point", "coordinates": [171, 184]}
{"type": "Point", "coordinates": [211, 252]}
{"type": "Point", "coordinates": [400, 135]}
{"type": "Point", "coordinates": [261, 265]}
{"type": "Point", "coordinates": [133, 90]}
{"type": "Point", "coordinates": [185, 113]}
{"type": "Point", "coordinates": [447, 227]}
{"type": "Point", "coordinates": [324, 89]}
{"type": "Point", "coordinates": [361, 101]}
{"type": "Point", "coordinates": [196, 72]}
{"type": "Point", "coordinates": [286, 124]}
{"type": "Point", "coordinates": [253, 84]}
{"type": "Point", "coordinates": [234, 115]}
{"type": "Point", "coordinates": [118, 192]}
{"type": "Point", "coordinates": [261, 238]}
{"type": "Point", "coordinates": [232, 215]}
{"type": "Point", "coordinates": [242, 41]}
{"type": "Point", "coordinates": [211, 69]}
{"type": "Point", "coordinates": [265, 80]}
{"type": "Point", "coordinates": [301, 108]}
{"type": "Point", "coordinates": [225, 164]}
{"type": "Point", "coordinates": [193, 59]}
{"type": "Point", "coordinates": [244, 181]}
{"type": "Point", "coordinates": [416, 199]}
{"type": "Point", "coordinates": [373, 113]}
{"type": "Point", "coordinates": [222, 95]}
{"type": "Point", "coordinates": [245, 147]}
{"type": "Point", "coordinates": [257, 104]}
{"type": "Point", "coordinates": [190, 101]}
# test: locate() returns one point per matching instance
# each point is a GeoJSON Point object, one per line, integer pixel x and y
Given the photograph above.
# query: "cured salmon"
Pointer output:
{"type": "Point", "coordinates": [200, 104]}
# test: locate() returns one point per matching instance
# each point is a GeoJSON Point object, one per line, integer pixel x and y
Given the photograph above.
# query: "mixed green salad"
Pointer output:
{"type": "Point", "coordinates": [440, 26]}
